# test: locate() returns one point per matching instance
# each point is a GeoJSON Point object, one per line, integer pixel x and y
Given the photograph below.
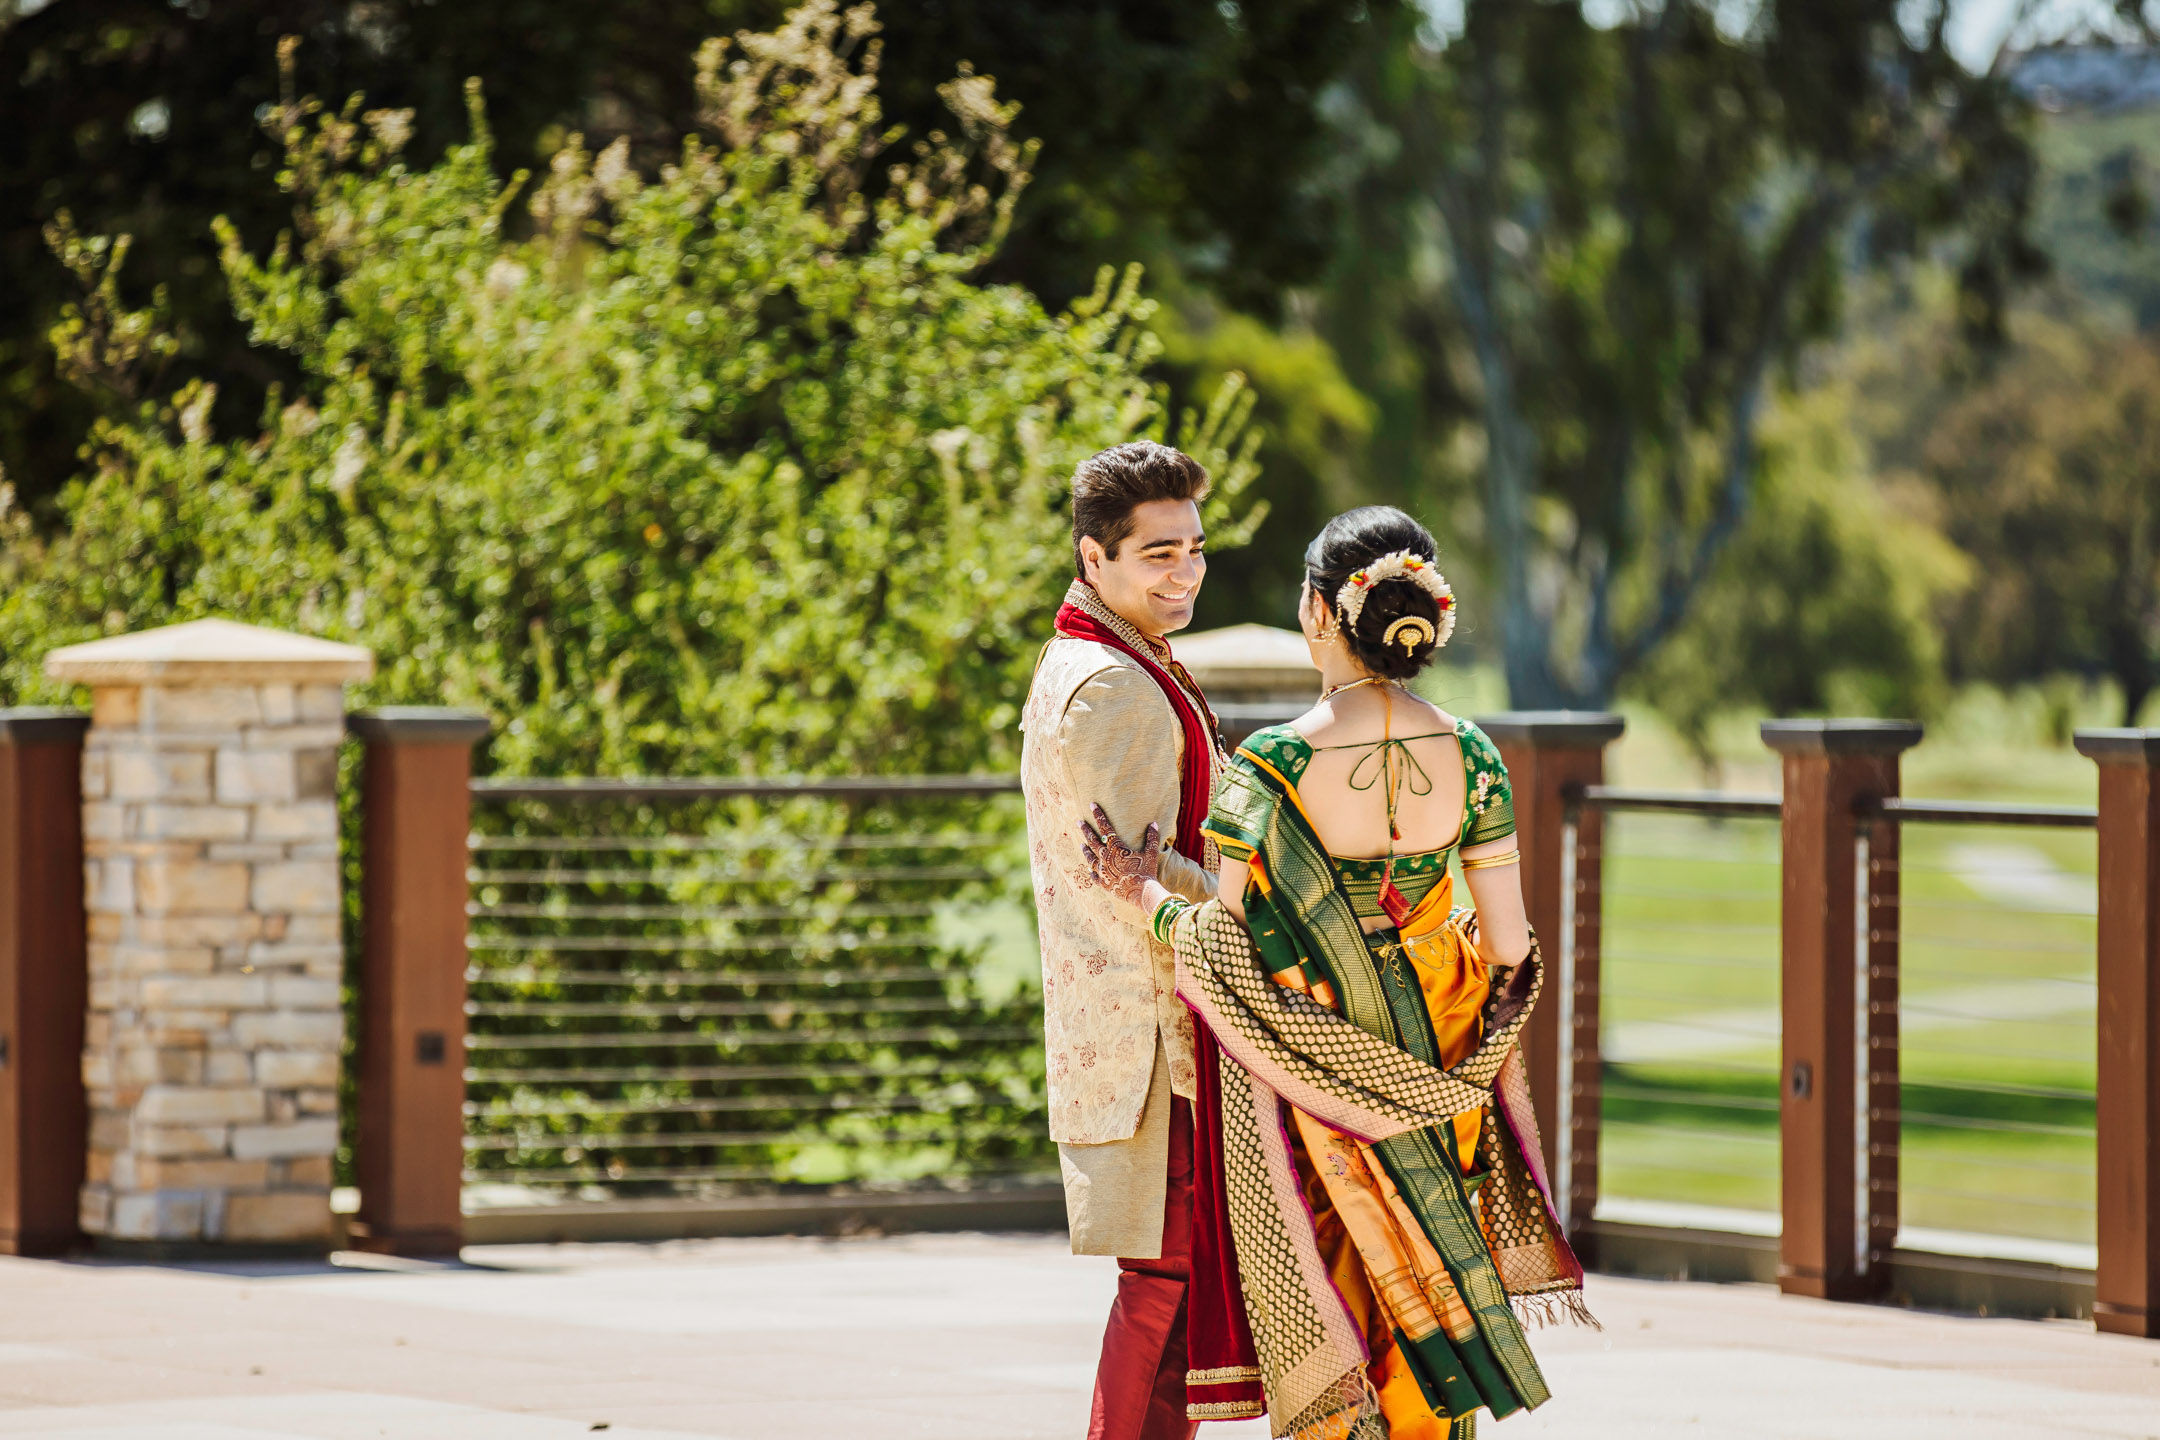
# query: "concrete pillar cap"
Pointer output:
{"type": "Point", "coordinates": [419, 725]}
{"type": "Point", "coordinates": [210, 652]}
{"type": "Point", "coordinates": [1840, 737]}
{"type": "Point", "coordinates": [2119, 746]}
{"type": "Point", "coordinates": [43, 725]}
{"type": "Point", "coordinates": [1554, 729]}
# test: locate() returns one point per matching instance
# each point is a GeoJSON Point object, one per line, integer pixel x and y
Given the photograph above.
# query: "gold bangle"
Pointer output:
{"type": "Point", "coordinates": [1487, 862]}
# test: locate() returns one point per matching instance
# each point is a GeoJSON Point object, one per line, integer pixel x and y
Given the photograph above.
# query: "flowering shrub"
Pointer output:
{"type": "Point", "coordinates": [730, 468]}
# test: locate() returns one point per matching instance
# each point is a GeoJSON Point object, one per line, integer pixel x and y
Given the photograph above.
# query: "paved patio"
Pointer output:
{"type": "Point", "coordinates": [963, 1337]}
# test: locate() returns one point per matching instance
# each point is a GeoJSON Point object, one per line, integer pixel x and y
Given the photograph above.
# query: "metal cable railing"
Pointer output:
{"type": "Point", "coordinates": [1997, 982]}
{"type": "Point", "coordinates": [718, 987]}
{"type": "Point", "coordinates": [1687, 964]}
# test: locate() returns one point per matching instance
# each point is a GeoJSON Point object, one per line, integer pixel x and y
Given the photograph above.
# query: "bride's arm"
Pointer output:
{"type": "Point", "coordinates": [1496, 891]}
{"type": "Point", "coordinates": [1230, 887]}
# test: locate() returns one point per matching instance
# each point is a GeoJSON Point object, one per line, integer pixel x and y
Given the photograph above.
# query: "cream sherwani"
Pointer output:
{"type": "Point", "coordinates": [1099, 731]}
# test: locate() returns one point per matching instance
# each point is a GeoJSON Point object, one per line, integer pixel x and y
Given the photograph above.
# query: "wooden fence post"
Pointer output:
{"type": "Point", "coordinates": [44, 980]}
{"type": "Point", "coordinates": [2126, 1284]}
{"type": "Point", "coordinates": [416, 810]}
{"type": "Point", "coordinates": [1551, 755]}
{"type": "Point", "coordinates": [1838, 1096]}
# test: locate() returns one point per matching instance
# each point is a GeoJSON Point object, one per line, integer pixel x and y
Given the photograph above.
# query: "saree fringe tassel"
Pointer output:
{"type": "Point", "coordinates": [1544, 1312]}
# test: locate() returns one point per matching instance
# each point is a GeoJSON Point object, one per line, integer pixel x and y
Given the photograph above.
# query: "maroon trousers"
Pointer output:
{"type": "Point", "coordinates": [1140, 1383]}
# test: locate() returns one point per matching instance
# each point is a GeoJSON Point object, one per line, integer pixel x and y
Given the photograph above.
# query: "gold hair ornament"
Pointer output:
{"type": "Point", "coordinates": [1414, 631]}
{"type": "Point", "coordinates": [1400, 565]}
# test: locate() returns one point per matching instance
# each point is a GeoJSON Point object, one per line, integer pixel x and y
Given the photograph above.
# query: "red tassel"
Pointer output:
{"type": "Point", "coordinates": [1392, 903]}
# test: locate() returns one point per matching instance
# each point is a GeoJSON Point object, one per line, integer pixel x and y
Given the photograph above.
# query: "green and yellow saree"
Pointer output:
{"type": "Point", "coordinates": [1380, 1167]}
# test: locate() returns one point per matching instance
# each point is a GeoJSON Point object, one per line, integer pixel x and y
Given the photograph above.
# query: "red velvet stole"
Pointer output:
{"type": "Point", "coordinates": [1223, 1370]}
{"type": "Point", "coordinates": [1196, 776]}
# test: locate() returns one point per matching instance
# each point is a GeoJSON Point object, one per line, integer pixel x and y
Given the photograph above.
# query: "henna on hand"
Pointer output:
{"type": "Point", "coordinates": [1121, 871]}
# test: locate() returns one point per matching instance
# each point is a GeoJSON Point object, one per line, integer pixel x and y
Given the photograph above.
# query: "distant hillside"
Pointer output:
{"type": "Point", "coordinates": [2103, 78]}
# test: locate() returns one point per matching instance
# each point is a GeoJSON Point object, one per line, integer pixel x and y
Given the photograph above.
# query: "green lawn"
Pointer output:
{"type": "Point", "coordinates": [1997, 1010]}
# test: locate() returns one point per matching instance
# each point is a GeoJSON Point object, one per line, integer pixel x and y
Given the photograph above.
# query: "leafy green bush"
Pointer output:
{"type": "Point", "coordinates": [733, 468]}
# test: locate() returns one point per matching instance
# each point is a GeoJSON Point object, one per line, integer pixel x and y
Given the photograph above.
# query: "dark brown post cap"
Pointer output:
{"type": "Point", "coordinates": [1554, 729]}
{"type": "Point", "coordinates": [1840, 737]}
{"type": "Point", "coordinates": [43, 725]}
{"type": "Point", "coordinates": [419, 725]}
{"type": "Point", "coordinates": [2119, 747]}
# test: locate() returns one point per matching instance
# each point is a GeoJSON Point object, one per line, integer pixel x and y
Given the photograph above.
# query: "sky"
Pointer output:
{"type": "Point", "coordinates": [1977, 27]}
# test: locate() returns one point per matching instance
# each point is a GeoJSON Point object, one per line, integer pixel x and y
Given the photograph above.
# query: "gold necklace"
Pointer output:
{"type": "Point", "coordinates": [1333, 690]}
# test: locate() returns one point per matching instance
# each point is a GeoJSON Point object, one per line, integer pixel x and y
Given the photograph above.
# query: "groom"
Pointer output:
{"type": "Point", "coordinates": [1112, 720]}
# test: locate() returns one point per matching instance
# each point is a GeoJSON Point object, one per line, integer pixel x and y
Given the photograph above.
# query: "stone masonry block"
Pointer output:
{"type": "Point", "coordinates": [287, 1216]}
{"type": "Point", "coordinates": [159, 1065]}
{"type": "Point", "coordinates": [302, 1171]}
{"type": "Point", "coordinates": [296, 957]}
{"type": "Point", "coordinates": [191, 822]}
{"type": "Point", "coordinates": [205, 992]}
{"type": "Point", "coordinates": [294, 737]}
{"type": "Point", "coordinates": [295, 1069]}
{"type": "Point", "coordinates": [162, 959]}
{"type": "Point", "coordinates": [198, 1105]}
{"type": "Point", "coordinates": [201, 1174]}
{"type": "Point", "coordinates": [96, 774]}
{"type": "Point", "coordinates": [302, 820]}
{"type": "Point", "coordinates": [109, 885]}
{"type": "Point", "coordinates": [174, 930]}
{"type": "Point", "coordinates": [200, 707]}
{"type": "Point", "coordinates": [198, 887]}
{"type": "Point", "coordinates": [301, 992]}
{"type": "Point", "coordinates": [102, 820]}
{"type": "Point", "coordinates": [290, 1030]}
{"type": "Point", "coordinates": [317, 1102]}
{"type": "Point", "coordinates": [93, 1209]}
{"type": "Point", "coordinates": [245, 777]}
{"type": "Point", "coordinates": [301, 1137]}
{"type": "Point", "coordinates": [158, 1215]}
{"type": "Point", "coordinates": [174, 1142]}
{"type": "Point", "coordinates": [252, 851]}
{"type": "Point", "coordinates": [316, 773]}
{"type": "Point", "coordinates": [299, 886]}
{"type": "Point", "coordinates": [116, 707]}
{"type": "Point", "coordinates": [177, 776]}
{"type": "Point", "coordinates": [321, 702]}
{"type": "Point", "coordinates": [280, 704]}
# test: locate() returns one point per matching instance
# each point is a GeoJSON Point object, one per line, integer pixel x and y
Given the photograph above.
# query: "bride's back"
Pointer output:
{"type": "Point", "coordinates": [1344, 788]}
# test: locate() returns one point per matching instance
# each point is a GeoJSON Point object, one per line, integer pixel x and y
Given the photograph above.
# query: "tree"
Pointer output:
{"type": "Point", "coordinates": [1829, 598]}
{"type": "Point", "coordinates": [2050, 479]}
{"type": "Point", "coordinates": [1182, 128]}
{"type": "Point", "coordinates": [737, 466]}
{"type": "Point", "coordinates": [1642, 226]}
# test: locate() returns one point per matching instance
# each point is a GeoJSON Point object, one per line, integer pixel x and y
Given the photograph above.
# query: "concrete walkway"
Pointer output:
{"type": "Point", "coordinates": [958, 1337]}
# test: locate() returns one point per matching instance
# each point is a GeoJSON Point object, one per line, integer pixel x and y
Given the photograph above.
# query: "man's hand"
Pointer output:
{"type": "Point", "coordinates": [1122, 872]}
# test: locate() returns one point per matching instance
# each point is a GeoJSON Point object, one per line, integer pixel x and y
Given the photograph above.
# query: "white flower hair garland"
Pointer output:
{"type": "Point", "coordinates": [1401, 565]}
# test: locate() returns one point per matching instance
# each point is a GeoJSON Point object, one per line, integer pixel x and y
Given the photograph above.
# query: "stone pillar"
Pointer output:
{"type": "Point", "coordinates": [210, 840]}
{"type": "Point", "coordinates": [1838, 928]}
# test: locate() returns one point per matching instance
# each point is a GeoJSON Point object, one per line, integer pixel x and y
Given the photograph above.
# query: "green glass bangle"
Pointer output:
{"type": "Point", "coordinates": [1166, 915]}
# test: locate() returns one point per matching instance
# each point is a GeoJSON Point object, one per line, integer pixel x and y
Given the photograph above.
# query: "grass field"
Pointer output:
{"type": "Point", "coordinates": [1997, 1001]}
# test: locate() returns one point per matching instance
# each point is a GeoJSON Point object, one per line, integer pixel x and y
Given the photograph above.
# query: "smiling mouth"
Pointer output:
{"type": "Point", "coordinates": [1179, 598]}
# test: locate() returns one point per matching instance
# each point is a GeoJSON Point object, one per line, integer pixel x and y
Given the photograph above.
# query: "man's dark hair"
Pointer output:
{"type": "Point", "coordinates": [1111, 484]}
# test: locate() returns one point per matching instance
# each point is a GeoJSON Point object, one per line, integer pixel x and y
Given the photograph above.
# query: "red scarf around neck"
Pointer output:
{"type": "Point", "coordinates": [1196, 771]}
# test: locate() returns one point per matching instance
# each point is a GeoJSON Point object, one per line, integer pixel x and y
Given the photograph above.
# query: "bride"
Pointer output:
{"type": "Point", "coordinates": [1369, 1196]}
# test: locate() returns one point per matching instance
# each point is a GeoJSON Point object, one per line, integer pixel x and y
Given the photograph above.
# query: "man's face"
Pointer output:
{"type": "Point", "coordinates": [1156, 575]}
